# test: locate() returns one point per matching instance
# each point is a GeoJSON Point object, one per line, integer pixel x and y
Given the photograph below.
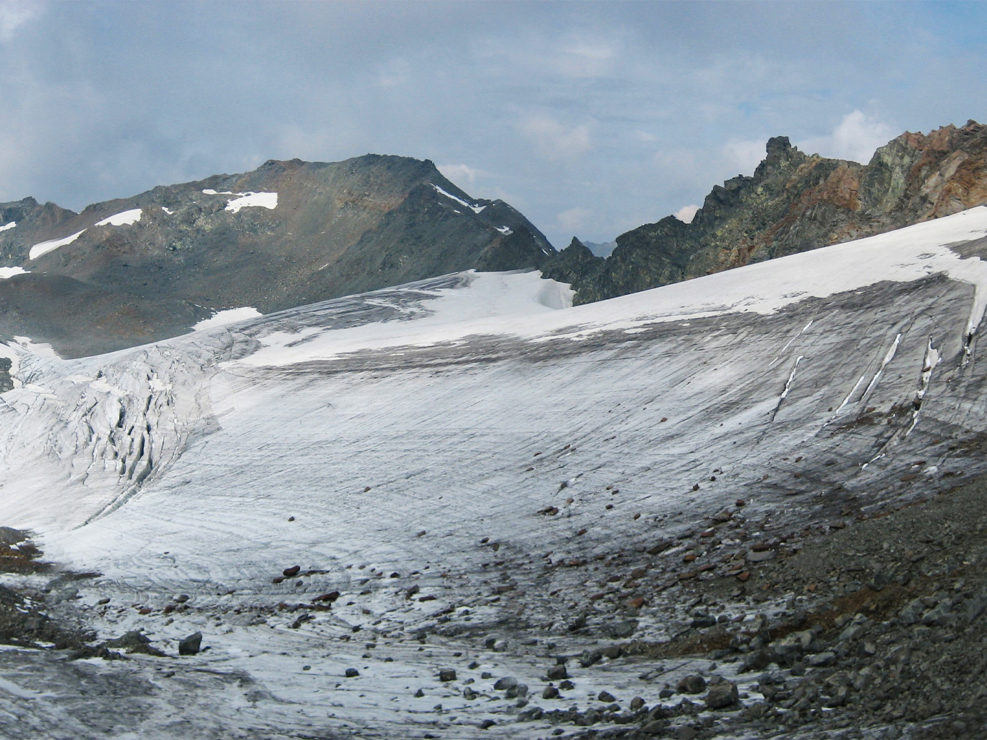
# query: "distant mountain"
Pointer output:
{"type": "Point", "coordinates": [792, 203]}
{"type": "Point", "coordinates": [138, 269]}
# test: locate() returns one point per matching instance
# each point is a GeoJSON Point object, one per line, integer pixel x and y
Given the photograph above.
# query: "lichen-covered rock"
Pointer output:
{"type": "Point", "coordinates": [793, 202]}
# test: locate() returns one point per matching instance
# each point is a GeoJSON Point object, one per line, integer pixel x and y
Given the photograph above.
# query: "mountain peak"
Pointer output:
{"type": "Point", "coordinates": [778, 145]}
{"type": "Point", "coordinates": [793, 203]}
{"type": "Point", "coordinates": [285, 234]}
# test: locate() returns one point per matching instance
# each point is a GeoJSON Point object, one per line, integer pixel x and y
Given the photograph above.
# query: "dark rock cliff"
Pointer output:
{"type": "Point", "coordinates": [793, 202]}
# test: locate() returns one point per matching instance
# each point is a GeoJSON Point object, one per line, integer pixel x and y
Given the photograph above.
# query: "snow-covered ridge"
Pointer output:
{"type": "Point", "coordinates": [901, 256]}
{"type": "Point", "coordinates": [489, 302]}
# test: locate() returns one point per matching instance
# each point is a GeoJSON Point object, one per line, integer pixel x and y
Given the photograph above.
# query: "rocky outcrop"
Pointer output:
{"type": "Point", "coordinates": [793, 202]}
{"type": "Point", "coordinates": [290, 233]}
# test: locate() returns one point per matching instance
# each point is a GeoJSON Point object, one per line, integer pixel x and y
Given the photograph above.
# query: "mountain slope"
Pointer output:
{"type": "Point", "coordinates": [379, 504]}
{"type": "Point", "coordinates": [793, 202]}
{"type": "Point", "coordinates": [286, 234]}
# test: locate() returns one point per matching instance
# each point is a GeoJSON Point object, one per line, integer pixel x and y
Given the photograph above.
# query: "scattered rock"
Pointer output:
{"type": "Point", "coordinates": [135, 641]}
{"type": "Point", "coordinates": [692, 684]}
{"type": "Point", "coordinates": [623, 629]}
{"type": "Point", "coordinates": [191, 644]}
{"type": "Point", "coordinates": [722, 694]}
{"type": "Point", "coordinates": [557, 672]}
{"type": "Point", "coordinates": [447, 674]}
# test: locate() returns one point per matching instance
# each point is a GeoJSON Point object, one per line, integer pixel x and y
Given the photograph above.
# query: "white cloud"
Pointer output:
{"type": "Point", "coordinates": [460, 173]}
{"type": "Point", "coordinates": [16, 13]}
{"type": "Point", "coordinates": [744, 154]}
{"type": "Point", "coordinates": [554, 140]}
{"type": "Point", "coordinates": [584, 58]}
{"type": "Point", "coordinates": [855, 137]}
{"type": "Point", "coordinates": [573, 220]}
{"type": "Point", "coordinates": [395, 73]}
{"type": "Point", "coordinates": [686, 213]}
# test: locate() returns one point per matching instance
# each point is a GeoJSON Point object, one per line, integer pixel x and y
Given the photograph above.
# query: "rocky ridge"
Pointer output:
{"type": "Point", "coordinates": [138, 269]}
{"type": "Point", "coordinates": [793, 202]}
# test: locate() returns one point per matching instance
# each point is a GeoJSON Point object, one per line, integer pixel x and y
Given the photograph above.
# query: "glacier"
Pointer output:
{"type": "Point", "coordinates": [464, 462]}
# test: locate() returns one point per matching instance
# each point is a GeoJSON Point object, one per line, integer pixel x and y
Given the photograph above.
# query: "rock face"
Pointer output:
{"type": "Point", "coordinates": [287, 234]}
{"type": "Point", "coordinates": [794, 202]}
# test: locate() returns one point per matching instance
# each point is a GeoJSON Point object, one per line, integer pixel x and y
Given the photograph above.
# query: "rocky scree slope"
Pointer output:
{"type": "Point", "coordinates": [138, 269]}
{"type": "Point", "coordinates": [793, 202]}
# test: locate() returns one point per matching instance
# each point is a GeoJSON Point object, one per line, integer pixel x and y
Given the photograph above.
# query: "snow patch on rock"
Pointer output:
{"type": "Point", "coordinates": [51, 245]}
{"type": "Point", "coordinates": [227, 316]}
{"type": "Point", "coordinates": [126, 218]}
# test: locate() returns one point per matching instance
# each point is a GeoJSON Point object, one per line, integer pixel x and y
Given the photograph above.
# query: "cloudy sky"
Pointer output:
{"type": "Point", "coordinates": [590, 117]}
